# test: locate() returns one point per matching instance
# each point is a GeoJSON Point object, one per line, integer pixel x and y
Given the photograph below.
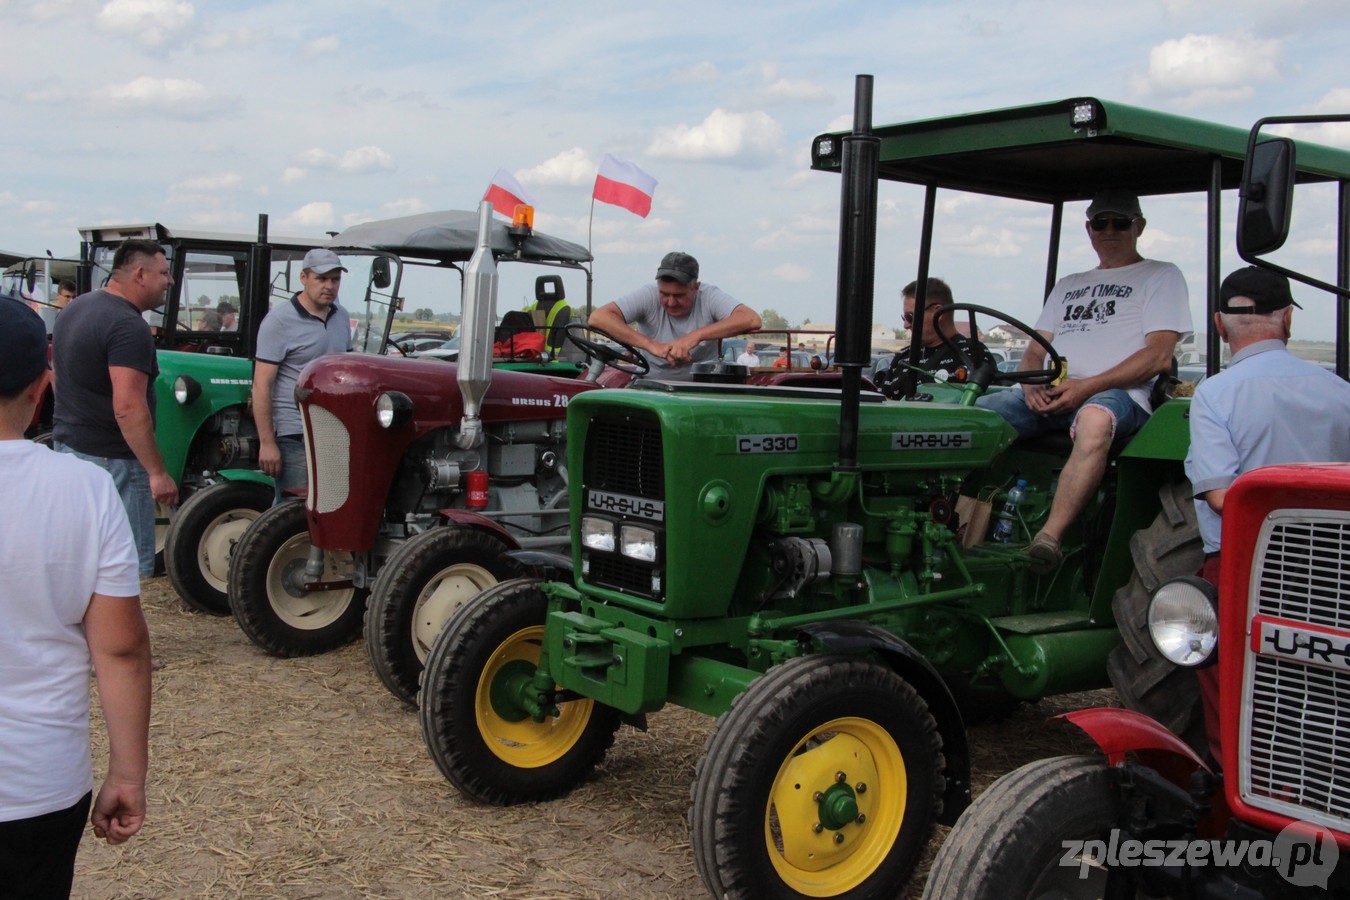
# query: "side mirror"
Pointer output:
{"type": "Point", "coordinates": [1266, 198]}
{"type": "Point", "coordinates": [30, 276]}
{"type": "Point", "coordinates": [379, 272]}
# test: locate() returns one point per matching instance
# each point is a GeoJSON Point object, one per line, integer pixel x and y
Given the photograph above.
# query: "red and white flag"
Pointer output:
{"type": "Point", "coordinates": [506, 194]}
{"type": "Point", "coordinates": [624, 184]}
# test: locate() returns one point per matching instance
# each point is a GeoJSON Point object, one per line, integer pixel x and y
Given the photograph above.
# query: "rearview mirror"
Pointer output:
{"type": "Point", "coordinates": [379, 272]}
{"type": "Point", "coordinates": [30, 276]}
{"type": "Point", "coordinates": [1266, 198]}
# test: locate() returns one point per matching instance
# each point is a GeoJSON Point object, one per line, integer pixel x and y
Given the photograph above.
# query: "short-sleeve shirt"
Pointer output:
{"type": "Point", "coordinates": [1267, 408]}
{"type": "Point", "coordinates": [95, 331]}
{"type": "Point", "coordinates": [941, 360]}
{"type": "Point", "coordinates": [642, 309]}
{"type": "Point", "coordinates": [290, 337]}
{"type": "Point", "coordinates": [1101, 317]}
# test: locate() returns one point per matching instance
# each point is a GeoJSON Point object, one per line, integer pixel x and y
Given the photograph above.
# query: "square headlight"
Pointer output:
{"type": "Point", "coordinates": [597, 534]}
{"type": "Point", "coordinates": [638, 542]}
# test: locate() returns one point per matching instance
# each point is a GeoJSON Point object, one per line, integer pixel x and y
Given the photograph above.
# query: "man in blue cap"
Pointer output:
{"type": "Point", "coordinates": [69, 598]}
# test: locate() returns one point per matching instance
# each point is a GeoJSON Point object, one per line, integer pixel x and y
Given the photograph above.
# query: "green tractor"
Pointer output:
{"type": "Point", "coordinates": [793, 561]}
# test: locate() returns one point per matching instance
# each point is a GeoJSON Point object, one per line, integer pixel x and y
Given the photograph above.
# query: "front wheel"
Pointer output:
{"type": "Point", "coordinates": [419, 587]}
{"type": "Point", "coordinates": [202, 537]}
{"type": "Point", "coordinates": [267, 588]}
{"type": "Point", "coordinates": [1013, 842]}
{"type": "Point", "coordinates": [473, 706]}
{"type": "Point", "coordinates": [823, 780]}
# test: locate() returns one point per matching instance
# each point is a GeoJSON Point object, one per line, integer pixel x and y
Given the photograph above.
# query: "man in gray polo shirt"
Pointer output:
{"type": "Point", "coordinates": [291, 335]}
{"type": "Point", "coordinates": [1267, 408]}
{"type": "Point", "coordinates": [680, 318]}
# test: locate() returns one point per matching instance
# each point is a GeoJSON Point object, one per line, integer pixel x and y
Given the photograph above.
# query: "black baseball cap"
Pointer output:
{"type": "Point", "coordinates": [23, 346]}
{"type": "Point", "coordinates": [1268, 290]}
{"type": "Point", "coordinates": [680, 266]}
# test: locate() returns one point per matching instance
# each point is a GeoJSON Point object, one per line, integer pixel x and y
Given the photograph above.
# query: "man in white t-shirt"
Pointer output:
{"type": "Point", "coordinates": [69, 597]}
{"type": "Point", "coordinates": [749, 357]}
{"type": "Point", "coordinates": [1118, 326]}
{"type": "Point", "coordinates": [680, 318]}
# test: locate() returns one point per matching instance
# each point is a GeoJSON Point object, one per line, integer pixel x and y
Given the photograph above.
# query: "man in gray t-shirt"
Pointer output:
{"type": "Point", "coordinates": [680, 318]}
{"type": "Point", "coordinates": [292, 334]}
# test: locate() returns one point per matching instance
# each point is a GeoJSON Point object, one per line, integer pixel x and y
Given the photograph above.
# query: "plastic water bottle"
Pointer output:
{"type": "Point", "coordinates": [1007, 517]}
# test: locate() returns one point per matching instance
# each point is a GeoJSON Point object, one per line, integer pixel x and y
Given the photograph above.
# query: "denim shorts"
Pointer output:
{"type": "Point", "coordinates": [133, 486]}
{"type": "Point", "coordinates": [294, 472]}
{"type": "Point", "coordinates": [1127, 417]}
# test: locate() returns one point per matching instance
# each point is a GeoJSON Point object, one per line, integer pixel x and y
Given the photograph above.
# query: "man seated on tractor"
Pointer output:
{"type": "Point", "coordinates": [935, 355]}
{"type": "Point", "coordinates": [681, 318]}
{"type": "Point", "coordinates": [1117, 326]}
{"type": "Point", "coordinates": [1267, 408]}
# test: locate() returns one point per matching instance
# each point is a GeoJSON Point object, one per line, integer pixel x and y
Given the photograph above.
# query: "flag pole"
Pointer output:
{"type": "Point", "coordinates": [590, 224]}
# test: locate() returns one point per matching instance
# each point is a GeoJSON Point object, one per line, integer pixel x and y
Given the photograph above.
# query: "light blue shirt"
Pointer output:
{"type": "Point", "coordinates": [1268, 408]}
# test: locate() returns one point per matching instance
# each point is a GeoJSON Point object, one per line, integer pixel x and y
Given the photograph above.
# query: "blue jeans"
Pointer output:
{"type": "Point", "coordinates": [1127, 417]}
{"type": "Point", "coordinates": [293, 470]}
{"type": "Point", "coordinates": [133, 486]}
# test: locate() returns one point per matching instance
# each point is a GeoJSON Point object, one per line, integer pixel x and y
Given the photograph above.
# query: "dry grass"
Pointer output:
{"type": "Point", "coordinates": [305, 779]}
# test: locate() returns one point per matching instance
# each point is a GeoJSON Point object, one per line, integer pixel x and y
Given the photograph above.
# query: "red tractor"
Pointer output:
{"type": "Point", "coordinates": [1155, 816]}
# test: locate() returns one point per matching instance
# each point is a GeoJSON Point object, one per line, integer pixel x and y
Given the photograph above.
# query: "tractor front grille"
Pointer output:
{"type": "Point", "coordinates": [1296, 710]}
{"type": "Point", "coordinates": [328, 447]}
{"type": "Point", "coordinates": [624, 477]}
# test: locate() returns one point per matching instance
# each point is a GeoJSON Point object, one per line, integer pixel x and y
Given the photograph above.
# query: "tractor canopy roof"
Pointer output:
{"type": "Point", "coordinates": [449, 236]}
{"type": "Point", "coordinates": [164, 234]}
{"type": "Point", "coordinates": [1068, 150]}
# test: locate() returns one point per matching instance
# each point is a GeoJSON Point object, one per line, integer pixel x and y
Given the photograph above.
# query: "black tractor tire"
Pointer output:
{"type": "Point", "coordinates": [823, 779]}
{"type": "Point", "coordinates": [271, 609]}
{"type": "Point", "coordinates": [492, 754]}
{"type": "Point", "coordinates": [419, 587]}
{"type": "Point", "coordinates": [1009, 844]}
{"type": "Point", "coordinates": [1145, 680]}
{"type": "Point", "coordinates": [201, 539]}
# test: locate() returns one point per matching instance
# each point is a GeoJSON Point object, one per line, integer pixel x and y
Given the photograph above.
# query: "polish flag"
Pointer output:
{"type": "Point", "coordinates": [623, 184]}
{"type": "Point", "coordinates": [506, 194]}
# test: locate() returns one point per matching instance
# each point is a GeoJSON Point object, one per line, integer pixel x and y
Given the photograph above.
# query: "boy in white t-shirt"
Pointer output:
{"type": "Point", "coordinates": [69, 597]}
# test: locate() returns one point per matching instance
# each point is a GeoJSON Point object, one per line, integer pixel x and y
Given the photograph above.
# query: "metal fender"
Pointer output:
{"type": "Point", "coordinates": [246, 475]}
{"type": "Point", "coordinates": [1121, 731]}
{"type": "Point", "coordinates": [469, 519]}
{"type": "Point", "coordinates": [549, 564]}
{"type": "Point", "coordinates": [850, 636]}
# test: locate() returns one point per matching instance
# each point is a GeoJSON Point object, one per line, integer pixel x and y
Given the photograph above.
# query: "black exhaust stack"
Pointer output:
{"type": "Point", "coordinates": [857, 265]}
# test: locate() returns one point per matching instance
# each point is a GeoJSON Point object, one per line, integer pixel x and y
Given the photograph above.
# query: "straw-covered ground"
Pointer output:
{"type": "Point", "coordinates": [304, 778]}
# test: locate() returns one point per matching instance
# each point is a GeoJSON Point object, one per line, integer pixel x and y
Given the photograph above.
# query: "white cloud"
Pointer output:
{"type": "Point", "coordinates": [1207, 68]}
{"type": "Point", "coordinates": [360, 161]}
{"type": "Point", "coordinates": [573, 166]}
{"type": "Point", "coordinates": [318, 214]}
{"type": "Point", "coordinates": [150, 21]}
{"type": "Point", "coordinates": [783, 90]}
{"type": "Point", "coordinates": [791, 273]}
{"type": "Point", "coordinates": [722, 135]}
{"type": "Point", "coordinates": [292, 175]}
{"type": "Point", "coordinates": [39, 206]}
{"type": "Point", "coordinates": [174, 97]}
{"type": "Point", "coordinates": [222, 181]}
{"type": "Point", "coordinates": [698, 73]}
{"type": "Point", "coordinates": [227, 40]}
{"type": "Point", "coordinates": [321, 46]}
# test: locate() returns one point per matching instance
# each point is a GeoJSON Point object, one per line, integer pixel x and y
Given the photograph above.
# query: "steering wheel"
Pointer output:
{"type": "Point", "coordinates": [630, 361]}
{"type": "Point", "coordinates": [1034, 376]}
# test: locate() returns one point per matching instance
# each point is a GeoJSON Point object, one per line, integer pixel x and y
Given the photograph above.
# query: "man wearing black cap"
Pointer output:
{"type": "Point", "coordinates": [69, 598]}
{"type": "Point", "coordinates": [1118, 326]}
{"type": "Point", "coordinates": [229, 316]}
{"type": "Point", "coordinates": [291, 335]}
{"type": "Point", "coordinates": [680, 318]}
{"type": "Point", "coordinates": [1267, 408]}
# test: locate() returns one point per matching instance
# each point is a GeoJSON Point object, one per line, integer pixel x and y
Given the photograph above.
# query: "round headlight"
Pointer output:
{"type": "Point", "coordinates": [393, 408]}
{"type": "Point", "coordinates": [186, 389]}
{"type": "Point", "coordinates": [1183, 620]}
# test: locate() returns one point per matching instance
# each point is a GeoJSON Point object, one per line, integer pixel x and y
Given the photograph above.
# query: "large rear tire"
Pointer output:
{"type": "Point", "coordinates": [419, 587]}
{"type": "Point", "coordinates": [1010, 843]}
{"type": "Point", "coordinates": [202, 537]}
{"type": "Point", "coordinates": [1145, 680]}
{"type": "Point", "coordinates": [822, 780]}
{"type": "Point", "coordinates": [267, 595]}
{"type": "Point", "coordinates": [478, 734]}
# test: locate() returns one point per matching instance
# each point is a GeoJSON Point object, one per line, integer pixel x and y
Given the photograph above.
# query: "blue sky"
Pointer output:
{"type": "Point", "coordinates": [204, 114]}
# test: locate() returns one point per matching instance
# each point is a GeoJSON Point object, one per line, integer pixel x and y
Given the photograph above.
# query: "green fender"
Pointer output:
{"type": "Point", "coordinates": [246, 475]}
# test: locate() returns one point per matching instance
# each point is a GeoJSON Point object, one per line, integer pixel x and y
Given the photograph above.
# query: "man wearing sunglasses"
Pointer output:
{"type": "Point", "coordinates": [935, 356]}
{"type": "Point", "coordinates": [1118, 326]}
